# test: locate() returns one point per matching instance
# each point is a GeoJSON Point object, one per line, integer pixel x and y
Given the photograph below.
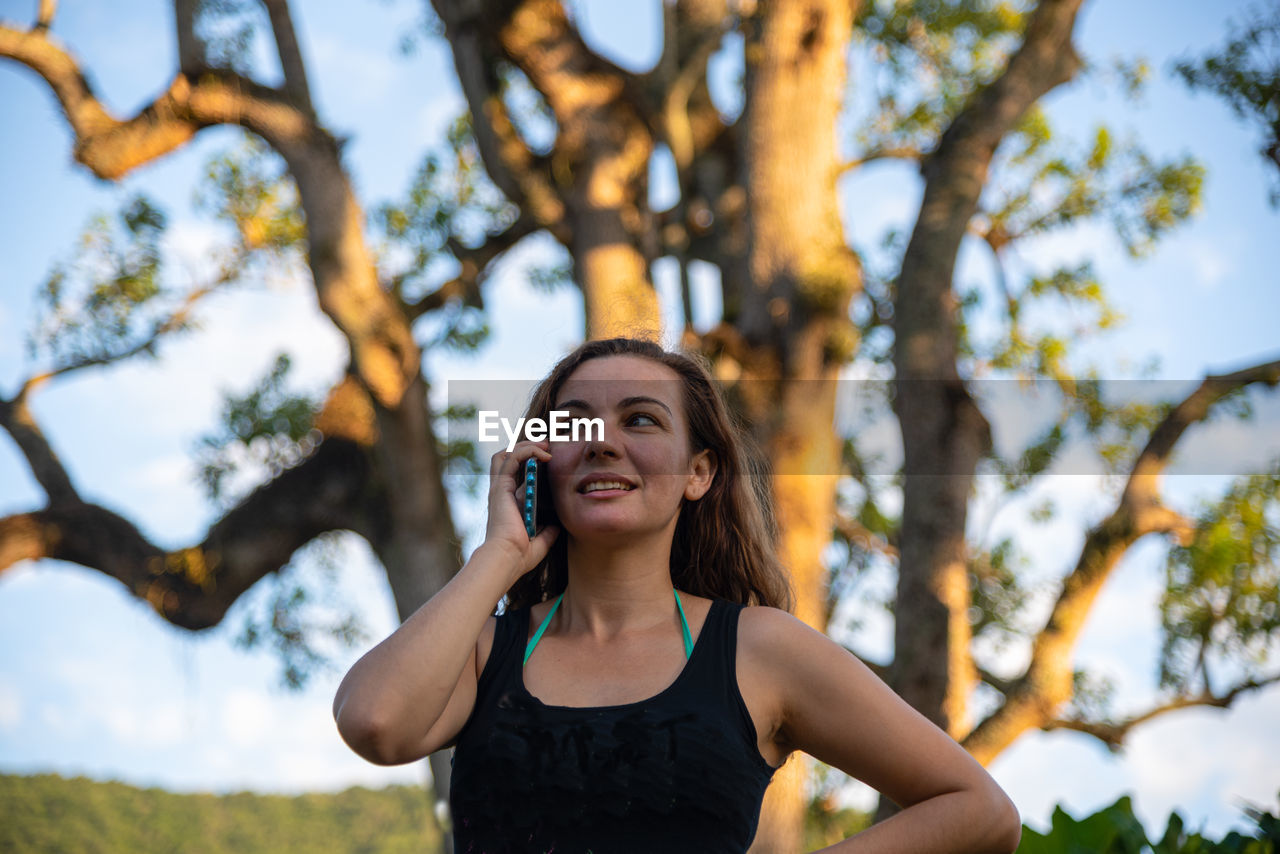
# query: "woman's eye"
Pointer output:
{"type": "Point", "coordinates": [641, 415]}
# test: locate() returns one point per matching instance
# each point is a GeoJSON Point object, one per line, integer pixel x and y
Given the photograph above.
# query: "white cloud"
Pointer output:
{"type": "Point", "coordinates": [1209, 262]}
{"type": "Point", "coordinates": [143, 724]}
{"type": "Point", "coordinates": [166, 475]}
{"type": "Point", "coordinates": [58, 721]}
{"type": "Point", "coordinates": [248, 717]}
{"type": "Point", "coordinates": [10, 706]}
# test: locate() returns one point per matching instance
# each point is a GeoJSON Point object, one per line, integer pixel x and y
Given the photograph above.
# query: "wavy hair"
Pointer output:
{"type": "Point", "coordinates": [724, 546]}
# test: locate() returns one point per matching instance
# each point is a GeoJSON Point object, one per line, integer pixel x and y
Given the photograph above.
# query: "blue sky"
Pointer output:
{"type": "Point", "coordinates": [91, 682]}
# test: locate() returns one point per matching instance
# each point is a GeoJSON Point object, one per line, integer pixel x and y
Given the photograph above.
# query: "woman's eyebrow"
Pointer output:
{"type": "Point", "coordinates": [625, 402]}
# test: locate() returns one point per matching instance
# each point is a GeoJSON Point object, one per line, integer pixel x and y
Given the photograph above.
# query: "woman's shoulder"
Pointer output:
{"type": "Point", "coordinates": [775, 637]}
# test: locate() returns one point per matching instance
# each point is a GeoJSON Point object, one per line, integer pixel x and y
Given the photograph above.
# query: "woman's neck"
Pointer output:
{"type": "Point", "coordinates": [613, 589]}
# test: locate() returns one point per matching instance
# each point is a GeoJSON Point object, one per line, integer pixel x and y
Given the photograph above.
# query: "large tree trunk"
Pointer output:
{"type": "Point", "coordinates": [794, 313]}
{"type": "Point", "coordinates": [943, 431]}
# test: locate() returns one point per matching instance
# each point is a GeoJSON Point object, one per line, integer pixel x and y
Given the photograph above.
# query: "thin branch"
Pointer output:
{"type": "Point", "coordinates": [892, 152]}
{"type": "Point", "coordinates": [20, 423]}
{"type": "Point", "coordinates": [174, 322]}
{"type": "Point", "coordinates": [475, 262]}
{"type": "Point", "coordinates": [1113, 734]}
{"type": "Point", "coordinates": [295, 70]}
{"type": "Point", "coordinates": [48, 8]}
{"type": "Point", "coordinates": [522, 176]}
{"type": "Point", "coordinates": [856, 532]}
{"type": "Point", "coordinates": [1004, 686]}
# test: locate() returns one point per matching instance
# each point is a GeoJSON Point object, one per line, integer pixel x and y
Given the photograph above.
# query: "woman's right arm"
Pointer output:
{"type": "Point", "coordinates": [411, 694]}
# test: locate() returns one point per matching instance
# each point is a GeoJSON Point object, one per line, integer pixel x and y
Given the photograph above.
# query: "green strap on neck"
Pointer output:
{"type": "Point", "coordinates": [546, 621]}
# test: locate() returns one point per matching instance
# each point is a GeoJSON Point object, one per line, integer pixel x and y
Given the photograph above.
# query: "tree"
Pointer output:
{"type": "Point", "coordinates": [757, 200]}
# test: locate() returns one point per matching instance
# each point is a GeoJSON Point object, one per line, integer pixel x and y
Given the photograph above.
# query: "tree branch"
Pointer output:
{"type": "Point", "coordinates": [17, 419]}
{"type": "Point", "coordinates": [111, 148]}
{"type": "Point", "coordinates": [1113, 734]}
{"type": "Point", "coordinates": [192, 53]}
{"type": "Point", "coordinates": [475, 262]}
{"type": "Point", "coordinates": [1035, 697]}
{"type": "Point", "coordinates": [896, 152]}
{"type": "Point", "coordinates": [856, 532]}
{"type": "Point", "coordinates": [44, 19]}
{"type": "Point", "coordinates": [295, 70]}
{"type": "Point", "coordinates": [170, 324]}
{"type": "Point", "coordinates": [194, 587]}
{"type": "Point", "coordinates": [523, 178]}
{"type": "Point", "coordinates": [1004, 686]}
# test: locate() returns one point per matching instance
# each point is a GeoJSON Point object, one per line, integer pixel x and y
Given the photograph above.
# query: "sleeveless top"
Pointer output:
{"type": "Point", "coordinates": [678, 772]}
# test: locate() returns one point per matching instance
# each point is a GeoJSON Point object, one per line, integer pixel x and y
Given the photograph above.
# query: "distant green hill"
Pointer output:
{"type": "Point", "coordinates": [49, 814]}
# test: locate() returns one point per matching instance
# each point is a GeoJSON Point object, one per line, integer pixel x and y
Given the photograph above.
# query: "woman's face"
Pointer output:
{"type": "Point", "coordinates": [644, 450]}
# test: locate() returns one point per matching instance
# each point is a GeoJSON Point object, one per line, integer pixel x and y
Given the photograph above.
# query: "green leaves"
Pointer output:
{"type": "Point", "coordinates": [1051, 184]}
{"type": "Point", "coordinates": [930, 57]}
{"type": "Point", "coordinates": [107, 298]}
{"type": "Point", "coordinates": [451, 207]}
{"type": "Point", "coordinates": [268, 429]}
{"type": "Point", "coordinates": [1116, 830]}
{"type": "Point", "coordinates": [1246, 75]}
{"type": "Point", "coordinates": [250, 189]}
{"type": "Point", "coordinates": [1222, 598]}
{"type": "Point", "coordinates": [303, 620]}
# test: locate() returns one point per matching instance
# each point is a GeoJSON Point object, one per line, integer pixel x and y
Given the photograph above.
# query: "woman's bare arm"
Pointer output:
{"type": "Point", "coordinates": [834, 708]}
{"type": "Point", "coordinates": [411, 694]}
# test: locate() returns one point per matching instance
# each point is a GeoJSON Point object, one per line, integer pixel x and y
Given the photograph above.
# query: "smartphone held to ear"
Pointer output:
{"type": "Point", "coordinates": [537, 513]}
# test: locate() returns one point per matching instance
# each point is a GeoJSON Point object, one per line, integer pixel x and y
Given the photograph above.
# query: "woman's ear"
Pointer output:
{"type": "Point", "coordinates": [702, 471]}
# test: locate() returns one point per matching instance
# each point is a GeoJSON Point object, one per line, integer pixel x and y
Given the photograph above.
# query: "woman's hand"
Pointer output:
{"type": "Point", "coordinates": [505, 530]}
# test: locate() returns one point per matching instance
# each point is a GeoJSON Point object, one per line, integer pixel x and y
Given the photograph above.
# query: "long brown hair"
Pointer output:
{"type": "Point", "coordinates": [724, 543]}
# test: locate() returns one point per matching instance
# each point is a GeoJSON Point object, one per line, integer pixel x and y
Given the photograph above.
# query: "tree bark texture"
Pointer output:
{"type": "Point", "coordinates": [592, 187]}
{"type": "Point", "coordinates": [944, 433]}
{"type": "Point", "coordinates": [794, 308]}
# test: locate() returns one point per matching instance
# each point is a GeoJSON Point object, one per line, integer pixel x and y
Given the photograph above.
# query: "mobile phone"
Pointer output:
{"type": "Point", "coordinates": [532, 469]}
{"type": "Point", "coordinates": [538, 511]}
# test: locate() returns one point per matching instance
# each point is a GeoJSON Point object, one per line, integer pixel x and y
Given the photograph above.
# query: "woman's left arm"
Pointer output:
{"type": "Point", "coordinates": [831, 706]}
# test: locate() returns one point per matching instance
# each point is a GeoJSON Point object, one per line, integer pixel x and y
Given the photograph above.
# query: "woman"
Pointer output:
{"type": "Point", "coordinates": [644, 680]}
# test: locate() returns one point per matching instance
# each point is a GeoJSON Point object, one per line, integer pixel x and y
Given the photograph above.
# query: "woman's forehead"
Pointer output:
{"type": "Point", "coordinates": [607, 381]}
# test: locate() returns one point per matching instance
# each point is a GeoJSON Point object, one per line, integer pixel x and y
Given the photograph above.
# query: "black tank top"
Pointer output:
{"type": "Point", "coordinates": [678, 772]}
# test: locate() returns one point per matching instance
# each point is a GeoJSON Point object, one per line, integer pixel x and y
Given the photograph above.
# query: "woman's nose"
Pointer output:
{"type": "Point", "coordinates": [603, 446]}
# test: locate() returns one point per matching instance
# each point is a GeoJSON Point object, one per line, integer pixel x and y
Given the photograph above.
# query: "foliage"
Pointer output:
{"type": "Point", "coordinates": [267, 429]}
{"type": "Point", "coordinates": [450, 207]}
{"type": "Point", "coordinates": [107, 299]}
{"type": "Point", "coordinates": [825, 821]}
{"type": "Point", "coordinates": [1222, 596]}
{"type": "Point", "coordinates": [300, 616]}
{"type": "Point", "coordinates": [228, 29]}
{"type": "Point", "coordinates": [49, 814]}
{"type": "Point", "coordinates": [931, 56]}
{"type": "Point", "coordinates": [1116, 830]}
{"type": "Point", "coordinates": [1246, 74]}
{"type": "Point", "coordinates": [249, 188]}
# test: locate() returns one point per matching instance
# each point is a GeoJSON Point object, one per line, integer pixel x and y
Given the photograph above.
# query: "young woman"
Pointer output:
{"type": "Point", "coordinates": [644, 679]}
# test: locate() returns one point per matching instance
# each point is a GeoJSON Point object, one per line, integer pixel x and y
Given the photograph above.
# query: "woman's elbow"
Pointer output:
{"type": "Point", "coordinates": [366, 735]}
{"type": "Point", "coordinates": [1005, 823]}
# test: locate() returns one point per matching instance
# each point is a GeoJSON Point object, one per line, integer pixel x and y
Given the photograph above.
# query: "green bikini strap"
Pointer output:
{"type": "Point", "coordinates": [546, 621]}
{"type": "Point", "coordinates": [684, 627]}
{"type": "Point", "coordinates": [537, 636]}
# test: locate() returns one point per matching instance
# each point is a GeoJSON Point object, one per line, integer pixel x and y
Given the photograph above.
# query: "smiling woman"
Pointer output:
{"type": "Point", "coordinates": [644, 680]}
